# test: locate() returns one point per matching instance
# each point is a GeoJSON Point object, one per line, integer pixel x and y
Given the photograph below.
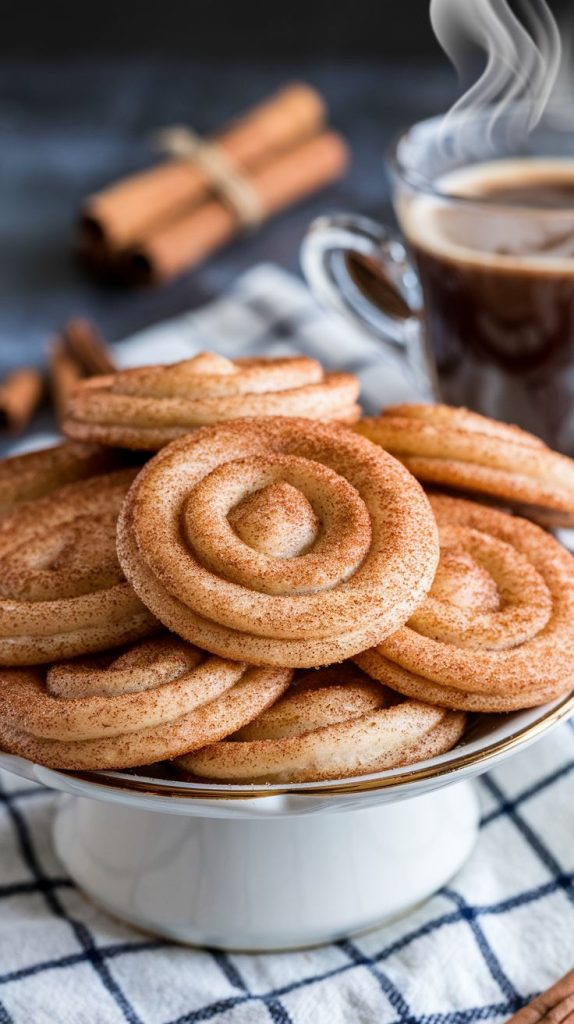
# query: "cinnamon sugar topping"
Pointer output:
{"type": "Point", "coordinates": [332, 724]}
{"type": "Point", "coordinates": [470, 453]}
{"type": "Point", "coordinates": [150, 406]}
{"type": "Point", "coordinates": [496, 632]}
{"type": "Point", "coordinates": [62, 592]}
{"type": "Point", "coordinates": [153, 701]}
{"type": "Point", "coordinates": [278, 542]}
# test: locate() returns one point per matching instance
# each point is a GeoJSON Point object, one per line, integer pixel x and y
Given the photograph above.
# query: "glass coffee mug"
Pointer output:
{"type": "Point", "coordinates": [479, 297]}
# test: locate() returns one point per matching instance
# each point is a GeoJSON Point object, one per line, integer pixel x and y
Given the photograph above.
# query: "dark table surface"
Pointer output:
{"type": "Point", "coordinates": [68, 129]}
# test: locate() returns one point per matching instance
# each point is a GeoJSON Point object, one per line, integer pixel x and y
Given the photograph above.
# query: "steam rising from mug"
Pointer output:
{"type": "Point", "coordinates": [527, 67]}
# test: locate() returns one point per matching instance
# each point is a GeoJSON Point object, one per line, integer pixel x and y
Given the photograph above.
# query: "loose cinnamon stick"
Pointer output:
{"type": "Point", "coordinates": [20, 395]}
{"type": "Point", "coordinates": [129, 209]}
{"type": "Point", "coordinates": [86, 344]}
{"type": "Point", "coordinates": [555, 1005]}
{"type": "Point", "coordinates": [65, 374]}
{"type": "Point", "coordinates": [179, 245]}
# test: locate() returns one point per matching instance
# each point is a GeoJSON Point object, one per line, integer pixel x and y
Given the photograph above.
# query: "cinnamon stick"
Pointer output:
{"type": "Point", "coordinates": [178, 245]}
{"type": "Point", "coordinates": [85, 343]}
{"type": "Point", "coordinates": [20, 395]}
{"type": "Point", "coordinates": [125, 211]}
{"type": "Point", "coordinates": [556, 1005]}
{"type": "Point", "coordinates": [65, 373]}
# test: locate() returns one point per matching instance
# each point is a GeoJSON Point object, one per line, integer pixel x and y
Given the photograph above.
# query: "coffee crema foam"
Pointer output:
{"type": "Point", "coordinates": [523, 219]}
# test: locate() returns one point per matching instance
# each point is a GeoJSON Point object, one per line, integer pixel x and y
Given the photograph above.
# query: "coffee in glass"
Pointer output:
{"type": "Point", "coordinates": [482, 295]}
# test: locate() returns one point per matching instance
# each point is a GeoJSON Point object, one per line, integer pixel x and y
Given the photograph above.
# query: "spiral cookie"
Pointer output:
{"type": "Point", "coordinates": [149, 407]}
{"type": "Point", "coordinates": [278, 542]}
{"type": "Point", "coordinates": [496, 632]}
{"type": "Point", "coordinates": [332, 723]}
{"type": "Point", "coordinates": [153, 701]}
{"type": "Point", "coordinates": [462, 450]}
{"type": "Point", "coordinates": [62, 591]}
{"type": "Point", "coordinates": [36, 474]}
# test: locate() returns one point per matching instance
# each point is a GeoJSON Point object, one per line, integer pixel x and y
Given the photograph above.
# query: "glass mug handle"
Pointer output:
{"type": "Point", "coordinates": [340, 283]}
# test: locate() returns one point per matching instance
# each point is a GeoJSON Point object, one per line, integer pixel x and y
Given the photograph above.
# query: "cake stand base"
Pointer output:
{"type": "Point", "coordinates": [277, 883]}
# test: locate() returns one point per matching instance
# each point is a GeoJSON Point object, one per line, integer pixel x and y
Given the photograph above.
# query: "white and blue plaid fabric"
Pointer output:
{"type": "Point", "coordinates": [501, 931]}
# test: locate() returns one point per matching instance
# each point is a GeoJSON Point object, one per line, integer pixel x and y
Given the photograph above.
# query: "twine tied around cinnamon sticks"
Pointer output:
{"type": "Point", "coordinates": [227, 182]}
{"type": "Point", "coordinates": [162, 221]}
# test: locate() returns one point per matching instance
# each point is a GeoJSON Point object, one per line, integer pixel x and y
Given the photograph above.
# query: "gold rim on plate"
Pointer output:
{"type": "Point", "coordinates": [361, 784]}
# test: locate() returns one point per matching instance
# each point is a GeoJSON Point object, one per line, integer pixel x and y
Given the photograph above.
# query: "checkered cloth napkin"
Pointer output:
{"type": "Point", "coordinates": [502, 930]}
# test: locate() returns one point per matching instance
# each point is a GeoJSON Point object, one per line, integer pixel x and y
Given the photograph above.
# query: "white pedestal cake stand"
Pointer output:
{"type": "Point", "coordinates": [277, 867]}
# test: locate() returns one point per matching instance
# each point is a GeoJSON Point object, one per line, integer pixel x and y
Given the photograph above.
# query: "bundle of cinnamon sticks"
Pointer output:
{"type": "Point", "coordinates": [20, 395]}
{"type": "Point", "coordinates": [160, 222]}
{"type": "Point", "coordinates": [77, 351]}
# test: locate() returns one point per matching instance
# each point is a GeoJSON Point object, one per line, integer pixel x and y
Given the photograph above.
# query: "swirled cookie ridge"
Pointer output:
{"type": "Point", "coordinates": [278, 541]}
{"type": "Point", "coordinates": [149, 702]}
{"type": "Point", "coordinates": [496, 632]}
{"type": "Point", "coordinates": [148, 407]}
{"type": "Point", "coordinates": [331, 723]}
{"type": "Point", "coordinates": [62, 591]}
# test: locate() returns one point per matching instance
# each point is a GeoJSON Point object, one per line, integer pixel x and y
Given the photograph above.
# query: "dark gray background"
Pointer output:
{"type": "Point", "coordinates": [250, 28]}
{"type": "Point", "coordinates": [211, 28]}
{"type": "Point", "coordinates": [82, 86]}
{"type": "Point", "coordinates": [67, 130]}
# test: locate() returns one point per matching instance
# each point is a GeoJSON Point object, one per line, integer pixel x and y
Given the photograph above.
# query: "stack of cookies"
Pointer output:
{"type": "Point", "coordinates": [273, 596]}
